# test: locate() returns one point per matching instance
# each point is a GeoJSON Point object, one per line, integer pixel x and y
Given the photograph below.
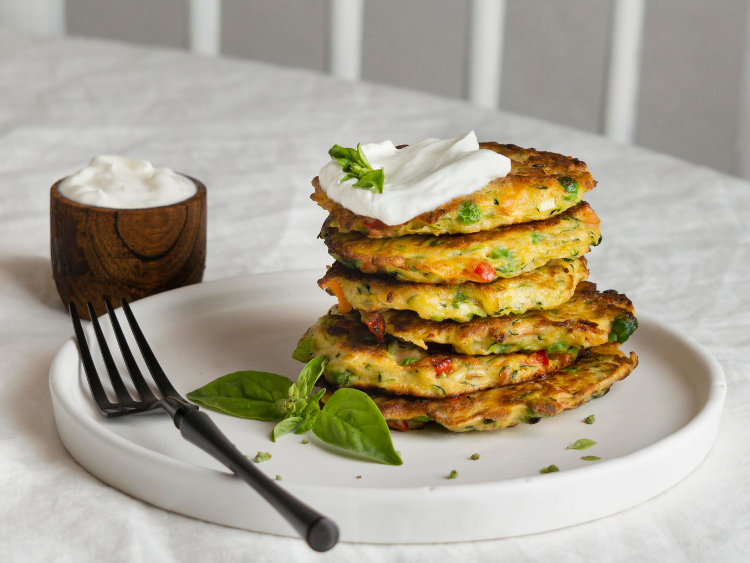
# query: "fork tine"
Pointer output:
{"type": "Point", "coordinates": [153, 365]}
{"type": "Point", "coordinates": [126, 400]}
{"type": "Point", "coordinates": [104, 405]}
{"type": "Point", "coordinates": [135, 373]}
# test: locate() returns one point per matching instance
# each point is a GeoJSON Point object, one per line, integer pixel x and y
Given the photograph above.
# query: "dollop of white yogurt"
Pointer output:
{"type": "Point", "coordinates": [120, 182]}
{"type": "Point", "coordinates": [418, 178]}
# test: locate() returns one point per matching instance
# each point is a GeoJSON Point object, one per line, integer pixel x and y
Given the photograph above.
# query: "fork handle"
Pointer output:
{"type": "Point", "coordinates": [320, 533]}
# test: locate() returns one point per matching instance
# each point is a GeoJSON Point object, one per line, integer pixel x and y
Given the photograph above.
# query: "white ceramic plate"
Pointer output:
{"type": "Point", "coordinates": [652, 430]}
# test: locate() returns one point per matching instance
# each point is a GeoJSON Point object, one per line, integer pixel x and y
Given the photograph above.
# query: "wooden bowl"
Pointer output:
{"type": "Point", "coordinates": [99, 252]}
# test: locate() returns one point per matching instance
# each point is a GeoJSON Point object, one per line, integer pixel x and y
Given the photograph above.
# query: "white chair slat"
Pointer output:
{"type": "Point", "coordinates": [205, 27]}
{"type": "Point", "coordinates": [345, 56]}
{"type": "Point", "coordinates": [39, 17]}
{"type": "Point", "coordinates": [624, 70]}
{"type": "Point", "coordinates": [486, 31]}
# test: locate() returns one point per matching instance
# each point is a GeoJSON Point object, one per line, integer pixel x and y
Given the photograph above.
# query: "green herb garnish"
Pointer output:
{"type": "Point", "coordinates": [583, 444]}
{"type": "Point", "coordinates": [475, 456]}
{"type": "Point", "coordinates": [409, 361]}
{"type": "Point", "coordinates": [305, 442]}
{"type": "Point", "coordinates": [453, 474]}
{"type": "Point", "coordinates": [590, 458]}
{"type": "Point", "coordinates": [278, 477]}
{"type": "Point", "coordinates": [590, 419]}
{"type": "Point", "coordinates": [550, 469]}
{"type": "Point", "coordinates": [350, 420]}
{"type": "Point", "coordinates": [266, 396]}
{"type": "Point", "coordinates": [355, 164]}
{"type": "Point", "coordinates": [260, 457]}
{"type": "Point", "coordinates": [469, 213]}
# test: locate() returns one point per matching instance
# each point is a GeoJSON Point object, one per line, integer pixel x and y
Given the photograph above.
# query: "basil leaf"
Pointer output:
{"type": "Point", "coordinates": [583, 444]}
{"type": "Point", "coordinates": [246, 394]}
{"type": "Point", "coordinates": [550, 469]}
{"type": "Point", "coordinates": [303, 350]}
{"type": "Point", "coordinates": [310, 374]}
{"type": "Point", "coordinates": [372, 180]}
{"type": "Point", "coordinates": [350, 420]}
{"type": "Point", "coordinates": [311, 412]}
{"type": "Point", "coordinates": [469, 213]}
{"type": "Point", "coordinates": [286, 426]}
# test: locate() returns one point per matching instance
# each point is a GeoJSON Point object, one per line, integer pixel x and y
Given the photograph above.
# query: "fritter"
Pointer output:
{"type": "Point", "coordinates": [544, 288]}
{"type": "Point", "coordinates": [589, 318]}
{"type": "Point", "coordinates": [356, 358]}
{"type": "Point", "coordinates": [539, 185]}
{"type": "Point", "coordinates": [504, 252]}
{"type": "Point", "coordinates": [569, 388]}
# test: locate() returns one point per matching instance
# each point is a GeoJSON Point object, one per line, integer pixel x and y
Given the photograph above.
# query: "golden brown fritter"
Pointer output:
{"type": "Point", "coordinates": [357, 359]}
{"type": "Point", "coordinates": [504, 252]}
{"type": "Point", "coordinates": [544, 288]}
{"type": "Point", "coordinates": [589, 318]}
{"type": "Point", "coordinates": [539, 185]}
{"type": "Point", "coordinates": [569, 388]}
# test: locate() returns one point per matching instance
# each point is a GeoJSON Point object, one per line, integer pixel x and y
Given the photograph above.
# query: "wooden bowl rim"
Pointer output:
{"type": "Point", "coordinates": [200, 194]}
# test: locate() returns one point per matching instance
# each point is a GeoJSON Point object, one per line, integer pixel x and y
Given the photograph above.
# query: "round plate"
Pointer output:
{"type": "Point", "coordinates": [652, 430]}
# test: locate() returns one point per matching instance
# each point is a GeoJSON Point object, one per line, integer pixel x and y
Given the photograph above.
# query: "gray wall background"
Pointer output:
{"type": "Point", "coordinates": [554, 56]}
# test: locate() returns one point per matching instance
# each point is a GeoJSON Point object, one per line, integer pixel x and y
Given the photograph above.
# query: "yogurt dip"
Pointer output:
{"type": "Point", "coordinates": [120, 182]}
{"type": "Point", "coordinates": [418, 178]}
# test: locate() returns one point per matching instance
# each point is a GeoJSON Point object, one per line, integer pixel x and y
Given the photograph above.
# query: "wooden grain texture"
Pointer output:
{"type": "Point", "coordinates": [99, 253]}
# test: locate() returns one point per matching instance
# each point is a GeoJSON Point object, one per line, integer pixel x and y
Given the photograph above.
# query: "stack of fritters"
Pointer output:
{"type": "Point", "coordinates": [475, 315]}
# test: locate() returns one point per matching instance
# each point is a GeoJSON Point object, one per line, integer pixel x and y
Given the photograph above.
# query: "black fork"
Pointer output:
{"type": "Point", "coordinates": [196, 426]}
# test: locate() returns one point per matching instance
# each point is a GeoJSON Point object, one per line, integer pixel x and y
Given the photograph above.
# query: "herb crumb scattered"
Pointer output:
{"type": "Point", "coordinates": [590, 419]}
{"type": "Point", "coordinates": [260, 457]}
{"type": "Point", "coordinates": [590, 458]}
{"type": "Point", "coordinates": [305, 442]}
{"type": "Point", "coordinates": [359, 476]}
{"type": "Point", "coordinates": [550, 469]}
{"type": "Point", "coordinates": [278, 477]}
{"type": "Point", "coordinates": [582, 444]}
{"type": "Point", "coordinates": [453, 474]}
{"type": "Point", "coordinates": [475, 456]}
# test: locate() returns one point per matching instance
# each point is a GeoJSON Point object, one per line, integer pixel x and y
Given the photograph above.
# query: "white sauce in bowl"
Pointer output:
{"type": "Point", "coordinates": [120, 182]}
{"type": "Point", "coordinates": [418, 178]}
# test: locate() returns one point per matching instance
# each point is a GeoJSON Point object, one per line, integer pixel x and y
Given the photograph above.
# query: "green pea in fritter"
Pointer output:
{"type": "Point", "coordinates": [544, 288]}
{"type": "Point", "coordinates": [591, 376]}
{"type": "Point", "coordinates": [504, 252]}
{"type": "Point", "coordinates": [539, 185]}
{"type": "Point", "coordinates": [357, 358]}
{"type": "Point", "coordinates": [589, 318]}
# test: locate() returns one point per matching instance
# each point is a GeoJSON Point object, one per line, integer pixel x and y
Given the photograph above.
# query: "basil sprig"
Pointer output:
{"type": "Point", "coordinates": [350, 420]}
{"type": "Point", "coordinates": [266, 396]}
{"type": "Point", "coordinates": [355, 164]}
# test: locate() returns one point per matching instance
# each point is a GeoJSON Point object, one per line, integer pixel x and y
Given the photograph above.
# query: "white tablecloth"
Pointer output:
{"type": "Point", "coordinates": [675, 240]}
